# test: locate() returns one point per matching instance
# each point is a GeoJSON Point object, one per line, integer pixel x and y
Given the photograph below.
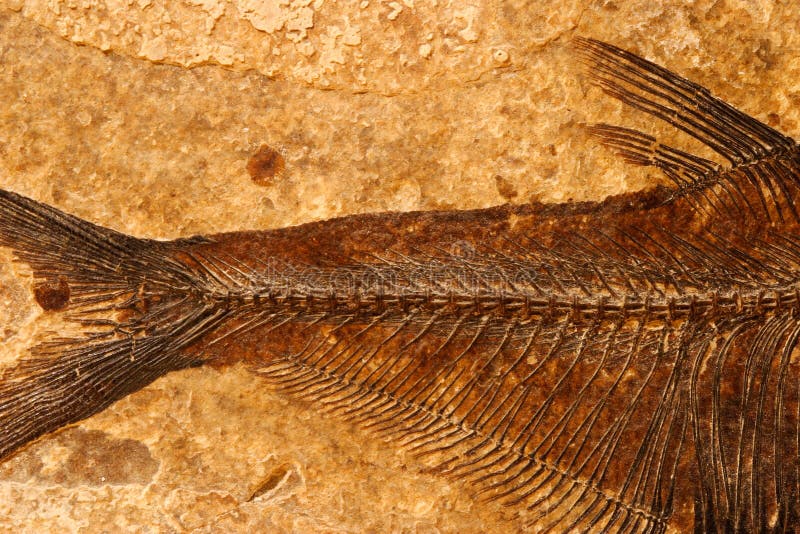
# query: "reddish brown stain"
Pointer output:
{"type": "Point", "coordinates": [52, 295]}
{"type": "Point", "coordinates": [774, 120]}
{"type": "Point", "coordinates": [265, 165]}
{"type": "Point", "coordinates": [505, 188]}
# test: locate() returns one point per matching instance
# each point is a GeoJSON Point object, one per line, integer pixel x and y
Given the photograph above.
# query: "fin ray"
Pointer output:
{"type": "Point", "coordinates": [125, 307]}
{"type": "Point", "coordinates": [488, 408]}
{"type": "Point", "coordinates": [763, 160]}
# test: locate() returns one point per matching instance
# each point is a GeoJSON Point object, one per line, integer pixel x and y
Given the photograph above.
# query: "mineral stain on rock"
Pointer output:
{"type": "Point", "coordinates": [81, 457]}
{"type": "Point", "coordinates": [265, 165]}
{"type": "Point", "coordinates": [505, 188]}
{"type": "Point", "coordinates": [96, 459]}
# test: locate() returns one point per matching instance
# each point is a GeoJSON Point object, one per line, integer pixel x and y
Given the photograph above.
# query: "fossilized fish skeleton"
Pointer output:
{"type": "Point", "coordinates": [627, 365]}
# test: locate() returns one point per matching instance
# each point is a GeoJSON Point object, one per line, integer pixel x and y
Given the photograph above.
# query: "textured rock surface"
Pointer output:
{"type": "Point", "coordinates": [371, 106]}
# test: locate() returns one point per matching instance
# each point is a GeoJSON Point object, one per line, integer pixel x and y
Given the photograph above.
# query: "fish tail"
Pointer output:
{"type": "Point", "coordinates": [126, 301]}
{"type": "Point", "coordinates": [63, 248]}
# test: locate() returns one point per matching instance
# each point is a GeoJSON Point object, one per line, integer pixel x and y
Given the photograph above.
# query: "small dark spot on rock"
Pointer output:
{"type": "Point", "coordinates": [265, 165]}
{"type": "Point", "coordinates": [774, 120]}
{"type": "Point", "coordinates": [52, 295]}
{"type": "Point", "coordinates": [505, 188]}
{"type": "Point", "coordinates": [58, 195]}
{"type": "Point", "coordinates": [764, 53]}
{"type": "Point", "coordinates": [267, 203]}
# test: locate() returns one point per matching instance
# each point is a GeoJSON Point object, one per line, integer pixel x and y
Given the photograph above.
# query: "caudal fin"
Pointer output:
{"type": "Point", "coordinates": [129, 300]}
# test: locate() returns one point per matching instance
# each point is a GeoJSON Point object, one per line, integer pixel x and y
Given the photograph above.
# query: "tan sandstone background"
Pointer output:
{"type": "Point", "coordinates": [167, 118]}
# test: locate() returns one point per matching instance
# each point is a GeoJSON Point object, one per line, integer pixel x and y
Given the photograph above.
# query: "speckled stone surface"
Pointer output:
{"type": "Point", "coordinates": [152, 118]}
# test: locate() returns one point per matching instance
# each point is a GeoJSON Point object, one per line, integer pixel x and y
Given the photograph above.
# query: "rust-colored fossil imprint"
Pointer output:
{"type": "Point", "coordinates": [627, 365]}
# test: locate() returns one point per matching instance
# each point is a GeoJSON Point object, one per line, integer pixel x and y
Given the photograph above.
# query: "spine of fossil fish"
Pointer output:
{"type": "Point", "coordinates": [140, 304]}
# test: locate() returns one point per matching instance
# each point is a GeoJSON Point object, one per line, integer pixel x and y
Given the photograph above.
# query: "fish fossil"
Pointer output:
{"type": "Point", "coordinates": [627, 365]}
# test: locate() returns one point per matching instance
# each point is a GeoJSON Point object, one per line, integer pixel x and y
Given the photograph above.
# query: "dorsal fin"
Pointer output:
{"type": "Point", "coordinates": [731, 133]}
{"type": "Point", "coordinates": [762, 179]}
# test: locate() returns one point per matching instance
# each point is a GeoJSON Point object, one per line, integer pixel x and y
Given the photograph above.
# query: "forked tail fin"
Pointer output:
{"type": "Point", "coordinates": [128, 300]}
